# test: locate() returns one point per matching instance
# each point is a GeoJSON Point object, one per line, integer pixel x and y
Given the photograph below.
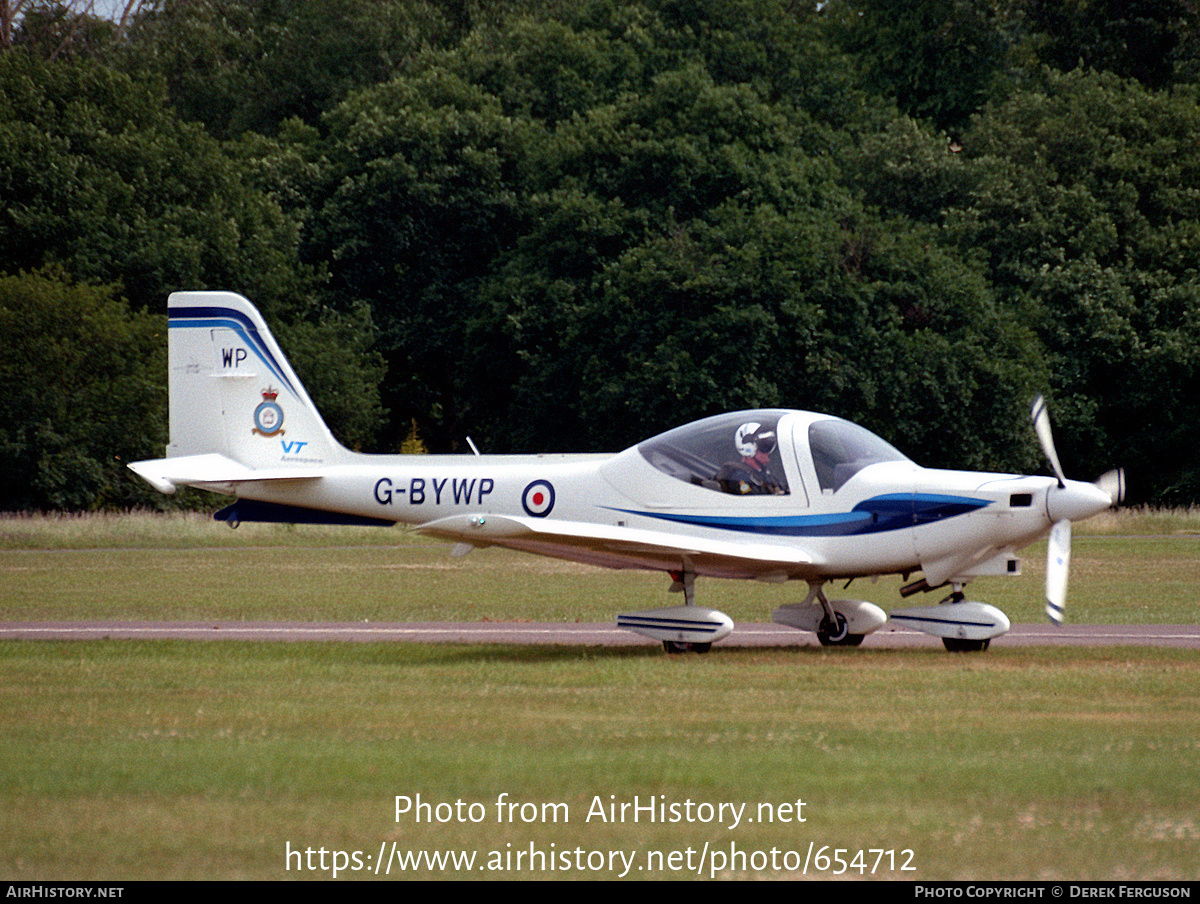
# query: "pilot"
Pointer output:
{"type": "Point", "coordinates": [752, 475]}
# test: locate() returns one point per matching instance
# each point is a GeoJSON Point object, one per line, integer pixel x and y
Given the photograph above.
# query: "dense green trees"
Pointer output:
{"type": "Point", "coordinates": [100, 181]}
{"type": "Point", "coordinates": [1087, 201]}
{"type": "Point", "coordinates": [242, 66]}
{"type": "Point", "coordinates": [567, 226]}
{"type": "Point", "coordinates": [99, 176]}
{"type": "Point", "coordinates": [81, 393]}
{"type": "Point", "coordinates": [579, 261]}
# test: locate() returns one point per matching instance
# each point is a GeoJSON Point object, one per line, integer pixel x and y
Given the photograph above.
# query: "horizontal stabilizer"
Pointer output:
{"type": "Point", "coordinates": [167, 474]}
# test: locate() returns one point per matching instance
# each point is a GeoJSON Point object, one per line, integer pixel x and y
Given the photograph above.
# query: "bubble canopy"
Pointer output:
{"type": "Point", "coordinates": [840, 449]}
{"type": "Point", "coordinates": [744, 451]}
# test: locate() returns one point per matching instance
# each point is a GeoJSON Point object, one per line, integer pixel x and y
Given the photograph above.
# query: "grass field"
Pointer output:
{"type": "Point", "coordinates": [138, 760]}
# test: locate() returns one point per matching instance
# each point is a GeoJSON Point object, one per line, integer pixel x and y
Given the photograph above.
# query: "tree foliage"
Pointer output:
{"type": "Point", "coordinates": [99, 181]}
{"type": "Point", "coordinates": [1156, 42]}
{"type": "Point", "coordinates": [237, 65]}
{"type": "Point", "coordinates": [938, 60]}
{"type": "Point", "coordinates": [567, 226]}
{"type": "Point", "coordinates": [1086, 201]}
{"type": "Point", "coordinates": [98, 175]}
{"type": "Point", "coordinates": [83, 397]}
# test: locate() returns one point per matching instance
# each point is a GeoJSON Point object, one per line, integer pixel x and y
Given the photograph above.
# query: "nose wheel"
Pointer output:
{"type": "Point", "coordinates": [958, 645]}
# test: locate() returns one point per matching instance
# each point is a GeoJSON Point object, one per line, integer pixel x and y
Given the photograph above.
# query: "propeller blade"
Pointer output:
{"type": "Point", "coordinates": [1041, 426]}
{"type": "Point", "coordinates": [1058, 565]}
{"type": "Point", "coordinates": [1113, 483]}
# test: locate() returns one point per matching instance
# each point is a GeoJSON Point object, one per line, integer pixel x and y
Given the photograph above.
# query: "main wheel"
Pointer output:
{"type": "Point", "coordinates": [682, 646]}
{"type": "Point", "coordinates": [836, 633]}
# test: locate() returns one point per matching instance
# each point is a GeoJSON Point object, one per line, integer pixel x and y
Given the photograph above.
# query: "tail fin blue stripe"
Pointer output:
{"type": "Point", "coordinates": [207, 318]}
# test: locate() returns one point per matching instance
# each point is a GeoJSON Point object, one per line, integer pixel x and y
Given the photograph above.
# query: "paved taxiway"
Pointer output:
{"type": "Point", "coordinates": [746, 635]}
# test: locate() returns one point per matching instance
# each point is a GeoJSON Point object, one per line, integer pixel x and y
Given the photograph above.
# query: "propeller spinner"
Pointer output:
{"type": "Point", "coordinates": [1071, 500]}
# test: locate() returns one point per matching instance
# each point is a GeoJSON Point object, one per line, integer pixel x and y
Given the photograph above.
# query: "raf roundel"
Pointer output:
{"type": "Point", "coordinates": [538, 498]}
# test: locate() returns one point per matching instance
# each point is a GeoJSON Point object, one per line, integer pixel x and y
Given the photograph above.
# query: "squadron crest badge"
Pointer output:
{"type": "Point", "coordinates": [268, 416]}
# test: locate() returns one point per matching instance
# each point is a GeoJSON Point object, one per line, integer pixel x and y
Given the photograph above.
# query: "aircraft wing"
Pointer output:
{"type": "Point", "coordinates": [165, 474]}
{"type": "Point", "coordinates": [613, 546]}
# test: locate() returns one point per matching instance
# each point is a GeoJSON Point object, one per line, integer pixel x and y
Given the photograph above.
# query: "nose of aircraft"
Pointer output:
{"type": "Point", "coordinates": [1077, 500]}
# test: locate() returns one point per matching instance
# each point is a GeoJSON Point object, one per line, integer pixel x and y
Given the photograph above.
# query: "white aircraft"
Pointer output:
{"type": "Point", "coordinates": [768, 495]}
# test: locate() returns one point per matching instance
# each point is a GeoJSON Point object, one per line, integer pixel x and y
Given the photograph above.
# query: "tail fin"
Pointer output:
{"type": "Point", "coordinates": [233, 393]}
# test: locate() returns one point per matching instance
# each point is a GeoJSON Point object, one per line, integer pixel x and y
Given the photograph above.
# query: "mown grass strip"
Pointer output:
{"type": "Point", "coordinates": [149, 760]}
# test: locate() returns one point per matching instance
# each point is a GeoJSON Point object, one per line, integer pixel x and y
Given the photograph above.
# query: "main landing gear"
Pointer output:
{"type": "Point", "coordinates": [677, 646]}
{"type": "Point", "coordinates": [837, 623]}
{"type": "Point", "coordinates": [682, 629]}
{"type": "Point", "coordinates": [685, 582]}
{"type": "Point", "coordinates": [835, 632]}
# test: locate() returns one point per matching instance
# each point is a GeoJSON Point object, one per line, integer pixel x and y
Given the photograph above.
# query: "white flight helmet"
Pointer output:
{"type": "Point", "coordinates": [752, 438]}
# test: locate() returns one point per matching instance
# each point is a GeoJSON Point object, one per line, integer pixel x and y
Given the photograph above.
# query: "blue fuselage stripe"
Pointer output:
{"type": "Point", "coordinates": [878, 514]}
